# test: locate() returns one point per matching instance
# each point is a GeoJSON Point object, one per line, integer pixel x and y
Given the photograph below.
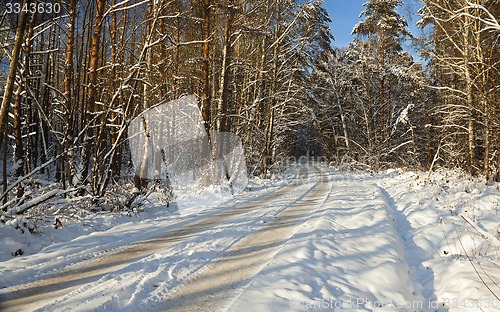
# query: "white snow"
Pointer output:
{"type": "Point", "coordinates": [396, 241]}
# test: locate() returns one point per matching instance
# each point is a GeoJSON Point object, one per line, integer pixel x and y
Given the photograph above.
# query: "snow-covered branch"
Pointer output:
{"type": "Point", "coordinates": [490, 22]}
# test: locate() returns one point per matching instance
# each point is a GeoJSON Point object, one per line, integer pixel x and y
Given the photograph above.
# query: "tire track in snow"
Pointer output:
{"type": "Point", "coordinates": [217, 285]}
{"type": "Point", "coordinates": [348, 255]}
{"type": "Point", "coordinates": [412, 253]}
{"type": "Point", "coordinates": [92, 275]}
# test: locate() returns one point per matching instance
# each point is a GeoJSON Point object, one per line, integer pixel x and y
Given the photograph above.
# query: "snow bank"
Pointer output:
{"type": "Point", "coordinates": [453, 221]}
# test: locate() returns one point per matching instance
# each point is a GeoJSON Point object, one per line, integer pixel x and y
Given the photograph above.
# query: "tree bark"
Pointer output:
{"type": "Point", "coordinates": [205, 98]}
{"type": "Point", "coordinates": [91, 92]}
{"type": "Point", "coordinates": [149, 54]}
{"type": "Point", "coordinates": [18, 141]}
{"type": "Point", "coordinates": [224, 79]}
{"type": "Point", "coordinates": [68, 94]}
{"type": "Point", "coordinates": [9, 85]}
{"type": "Point", "coordinates": [470, 98]}
{"type": "Point", "coordinates": [115, 166]}
{"type": "Point", "coordinates": [274, 88]}
{"type": "Point", "coordinates": [344, 124]}
{"type": "Point", "coordinates": [383, 110]}
{"type": "Point", "coordinates": [4, 165]}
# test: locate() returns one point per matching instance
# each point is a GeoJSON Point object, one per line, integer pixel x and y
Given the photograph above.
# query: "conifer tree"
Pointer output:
{"type": "Point", "coordinates": [380, 36]}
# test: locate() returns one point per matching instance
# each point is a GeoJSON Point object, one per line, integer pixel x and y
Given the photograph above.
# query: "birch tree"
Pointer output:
{"type": "Point", "coordinates": [465, 56]}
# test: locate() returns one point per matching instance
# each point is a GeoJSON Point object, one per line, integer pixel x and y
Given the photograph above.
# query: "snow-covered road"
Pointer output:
{"type": "Point", "coordinates": [319, 240]}
{"type": "Point", "coordinates": [212, 232]}
{"type": "Point", "coordinates": [360, 260]}
{"type": "Point", "coordinates": [217, 285]}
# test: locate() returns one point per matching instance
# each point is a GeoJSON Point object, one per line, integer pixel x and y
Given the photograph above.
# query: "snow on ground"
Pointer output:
{"type": "Point", "coordinates": [397, 241]}
{"type": "Point", "coordinates": [453, 222]}
{"type": "Point", "coordinates": [393, 242]}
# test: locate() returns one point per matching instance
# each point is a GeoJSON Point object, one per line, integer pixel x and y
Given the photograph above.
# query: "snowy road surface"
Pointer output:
{"type": "Point", "coordinates": [320, 240]}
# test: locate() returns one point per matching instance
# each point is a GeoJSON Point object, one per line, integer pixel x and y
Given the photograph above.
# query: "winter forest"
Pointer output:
{"type": "Point", "coordinates": [73, 74]}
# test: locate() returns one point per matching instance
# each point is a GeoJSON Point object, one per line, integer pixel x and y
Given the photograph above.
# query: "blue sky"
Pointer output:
{"type": "Point", "coordinates": [345, 14]}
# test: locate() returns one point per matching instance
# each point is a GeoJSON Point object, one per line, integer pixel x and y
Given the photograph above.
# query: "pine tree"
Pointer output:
{"type": "Point", "coordinates": [384, 25]}
{"type": "Point", "coordinates": [380, 36]}
{"type": "Point", "coordinates": [9, 86]}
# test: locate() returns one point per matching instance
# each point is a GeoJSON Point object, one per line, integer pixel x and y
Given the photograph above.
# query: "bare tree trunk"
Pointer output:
{"type": "Point", "coordinates": [205, 97]}
{"type": "Point", "coordinates": [384, 119]}
{"type": "Point", "coordinates": [470, 99]}
{"type": "Point", "coordinates": [91, 93]}
{"type": "Point", "coordinates": [224, 78]}
{"type": "Point", "coordinates": [18, 141]}
{"type": "Point", "coordinates": [495, 117]}
{"type": "Point", "coordinates": [177, 58]}
{"type": "Point", "coordinates": [370, 140]}
{"type": "Point", "coordinates": [274, 89]}
{"type": "Point", "coordinates": [115, 166]}
{"type": "Point", "coordinates": [205, 101]}
{"type": "Point", "coordinates": [162, 92]}
{"type": "Point", "coordinates": [149, 55]}
{"type": "Point", "coordinates": [259, 112]}
{"type": "Point", "coordinates": [9, 85]}
{"type": "Point", "coordinates": [222, 109]}
{"type": "Point", "coordinates": [68, 94]}
{"type": "Point", "coordinates": [17, 123]}
{"type": "Point", "coordinates": [4, 166]}
{"type": "Point", "coordinates": [45, 107]}
{"type": "Point", "coordinates": [344, 124]}
{"type": "Point", "coordinates": [484, 89]}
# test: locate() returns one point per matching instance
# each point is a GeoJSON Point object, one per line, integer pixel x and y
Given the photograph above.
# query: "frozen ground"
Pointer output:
{"type": "Point", "coordinates": [315, 239]}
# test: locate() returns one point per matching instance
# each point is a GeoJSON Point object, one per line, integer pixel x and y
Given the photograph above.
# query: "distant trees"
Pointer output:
{"type": "Point", "coordinates": [377, 106]}
{"type": "Point", "coordinates": [374, 93]}
{"type": "Point", "coordinates": [464, 53]}
{"type": "Point", "coordinates": [363, 130]}
{"type": "Point", "coordinates": [379, 45]}
{"type": "Point", "coordinates": [263, 69]}
{"type": "Point", "coordinates": [85, 71]}
{"type": "Point", "coordinates": [383, 109]}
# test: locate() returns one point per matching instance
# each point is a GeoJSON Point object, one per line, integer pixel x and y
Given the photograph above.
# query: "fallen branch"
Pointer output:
{"type": "Point", "coordinates": [21, 179]}
{"type": "Point", "coordinates": [35, 201]}
{"type": "Point", "coordinates": [38, 200]}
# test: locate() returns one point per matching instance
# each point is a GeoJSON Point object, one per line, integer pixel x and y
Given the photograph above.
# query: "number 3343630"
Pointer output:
{"type": "Point", "coordinates": [32, 7]}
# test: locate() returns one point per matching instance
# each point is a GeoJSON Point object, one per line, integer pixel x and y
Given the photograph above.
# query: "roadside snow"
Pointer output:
{"type": "Point", "coordinates": [349, 255]}
{"type": "Point", "coordinates": [463, 261]}
{"type": "Point", "coordinates": [393, 242]}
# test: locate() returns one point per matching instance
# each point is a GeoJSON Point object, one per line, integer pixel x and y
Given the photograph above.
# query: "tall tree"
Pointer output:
{"type": "Point", "coordinates": [9, 85]}
{"type": "Point", "coordinates": [465, 62]}
{"type": "Point", "coordinates": [380, 35]}
{"type": "Point", "coordinates": [223, 96]}
{"type": "Point", "coordinates": [17, 110]}
{"type": "Point", "coordinates": [206, 36]}
{"type": "Point", "coordinates": [68, 93]}
{"type": "Point", "coordinates": [92, 88]}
